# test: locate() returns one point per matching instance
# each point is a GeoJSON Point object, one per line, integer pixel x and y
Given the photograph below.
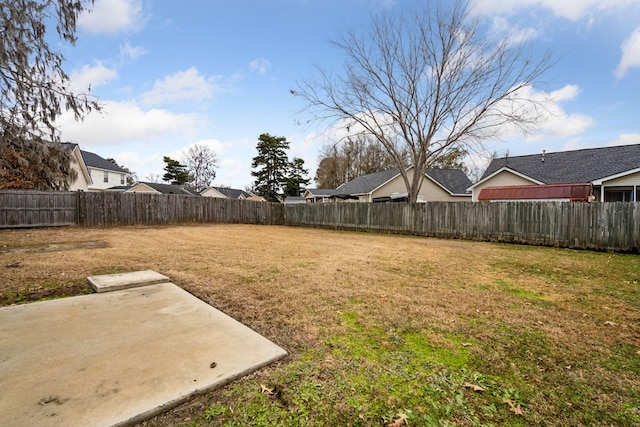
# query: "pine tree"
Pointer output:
{"type": "Point", "coordinates": [297, 178]}
{"type": "Point", "coordinates": [175, 172]}
{"type": "Point", "coordinates": [270, 166]}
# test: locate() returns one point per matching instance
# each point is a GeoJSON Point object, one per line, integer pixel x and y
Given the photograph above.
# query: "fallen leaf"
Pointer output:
{"type": "Point", "coordinates": [266, 390]}
{"type": "Point", "coordinates": [474, 387]}
{"type": "Point", "coordinates": [466, 344]}
{"type": "Point", "coordinates": [401, 420]}
{"type": "Point", "coordinates": [516, 409]}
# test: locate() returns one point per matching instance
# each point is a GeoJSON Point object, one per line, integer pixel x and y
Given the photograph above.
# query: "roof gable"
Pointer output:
{"type": "Point", "coordinates": [319, 192]}
{"type": "Point", "coordinates": [165, 188]}
{"type": "Point", "coordinates": [232, 193]}
{"type": "Point", "coordinates": [566, 167]}
{"type": "Point", "coordinates": [454, 181]}
{"type": "Point", "coordinates": [74, 150]}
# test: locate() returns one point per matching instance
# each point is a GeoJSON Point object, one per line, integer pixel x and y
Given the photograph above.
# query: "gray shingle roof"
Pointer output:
{"type": "Point", "coordinates": [92, 160]}
{"type": "Point", "coordinates": [454, 180]}
{"type": "Point", "coordinates": [170, 189]}
{"type": "Point", "coordinates": [366, 183]}
{"type": "Point", "coordinates": [232, 193]}
{"type": "Point", "coordinates": [568, 167]}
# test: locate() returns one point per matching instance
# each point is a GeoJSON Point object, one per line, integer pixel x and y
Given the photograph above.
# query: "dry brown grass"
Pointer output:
{"type": "Point", "coordinates": [533, 314]}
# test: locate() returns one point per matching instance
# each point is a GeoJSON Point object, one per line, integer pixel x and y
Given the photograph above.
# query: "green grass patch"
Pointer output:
{"type": "Point", "coordinates": [372, 376]}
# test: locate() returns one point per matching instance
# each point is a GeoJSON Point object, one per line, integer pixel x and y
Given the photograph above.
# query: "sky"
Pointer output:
{"type": "Point", "coordinates": [171, 75]}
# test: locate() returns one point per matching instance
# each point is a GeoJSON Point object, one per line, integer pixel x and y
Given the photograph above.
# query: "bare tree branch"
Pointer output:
{"type": "Point", "coordinates": [427, 84]}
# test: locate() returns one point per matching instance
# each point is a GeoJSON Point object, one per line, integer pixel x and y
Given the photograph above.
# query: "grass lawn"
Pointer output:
{"type": "Point", "coordinates": [381, 329]}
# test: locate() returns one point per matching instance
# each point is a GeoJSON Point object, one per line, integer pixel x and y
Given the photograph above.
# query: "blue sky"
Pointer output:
{"type": "Point", "coordinates": [173, 74]}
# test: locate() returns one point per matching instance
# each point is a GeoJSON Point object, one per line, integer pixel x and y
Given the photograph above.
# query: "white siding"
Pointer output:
{"type": "Point", "coordinates": [113, 179]}
{"type": "Point", "coordinates": [624, 181]}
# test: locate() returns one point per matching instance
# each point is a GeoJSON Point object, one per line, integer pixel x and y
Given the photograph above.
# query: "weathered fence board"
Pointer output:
{"type": "Point", "coordinates": [108, 209]}
{"type": "Point", "coordinates": [600, 226]}
{"type": "Point", "coordinates": [36, 209]}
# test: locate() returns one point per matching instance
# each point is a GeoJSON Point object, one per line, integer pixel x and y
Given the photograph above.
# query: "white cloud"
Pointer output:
{"type": "Point", "coordinates": [500, 29]}
{"type": "Point", "coordinates": [558, 123]}
{"type": "Point", "coordinates": [91, 76]}
{"type": "Point", "coordinates": [626, 139]}
{"type": "Point", "coordinates": [125, 122]}
{"type": "Point", "coordinates": [187, 85]}
{"type": "Point", "coordinates": [630, 54]}
{"type": "Point", "coordinates": [112, 16]}
{"type": "Point", "coordinates": [261, 65]}
{"type": "Point", "coordinates": [573, 10]}
{"type": "Point", "coordinates": [131, 52]}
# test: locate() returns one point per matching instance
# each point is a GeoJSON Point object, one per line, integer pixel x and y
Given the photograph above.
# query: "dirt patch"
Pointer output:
{"type": "Point", "coordinates": [53, 247]}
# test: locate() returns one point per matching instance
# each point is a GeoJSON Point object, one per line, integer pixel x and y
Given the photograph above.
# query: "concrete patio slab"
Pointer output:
{"type": "Point", "coordinates": [119, 357]}
{"type": "Point", "coordinates": [114, 282]}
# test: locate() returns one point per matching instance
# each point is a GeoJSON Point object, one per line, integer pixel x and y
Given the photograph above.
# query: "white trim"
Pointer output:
{"type": "Point", "coordinates": [505, 169]}
{"type": "Point", "coordinates": [82, 165]}
{"type": "Point", "coordinates": [618, 175]}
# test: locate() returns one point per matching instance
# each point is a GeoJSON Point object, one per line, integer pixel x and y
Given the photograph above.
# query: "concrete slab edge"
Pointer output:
{"type": "Point", "coordinates": [183, 399]}
{"type": "Point", "coordinates": [120, 281]}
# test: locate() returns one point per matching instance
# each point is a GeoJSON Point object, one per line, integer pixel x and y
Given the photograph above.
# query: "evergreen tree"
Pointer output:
{"type": "Point", "coordinates": [270, 166]}
{"type": "Point", "coordinates": [297, 178]}
{"type": "Point", "coordinates": [175, 172]}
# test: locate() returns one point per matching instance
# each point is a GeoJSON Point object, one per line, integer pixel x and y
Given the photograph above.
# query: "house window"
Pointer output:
{"type": "Point", "coordinates": [106, 176]}
{"type": "Point", "coordinates": [619, 194]}
{"type": "Point", "coordinates": [121, 179]}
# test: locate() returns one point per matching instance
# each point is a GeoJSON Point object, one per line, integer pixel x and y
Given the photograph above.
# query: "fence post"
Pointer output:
{"type": "Point", "coordinates": [81, 207]}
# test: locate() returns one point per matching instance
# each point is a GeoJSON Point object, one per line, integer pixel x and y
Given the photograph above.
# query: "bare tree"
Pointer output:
{"type": "Point", "coordinates": [35, 91]}
{"type": "Point", "coordinates": [201, 163]}
{"type": "Point", "coordinates": [427, 83]}
{"type": "Point", "coordinates": [350, 158]}
{"type": "Point", "coordinates": [153, 177]}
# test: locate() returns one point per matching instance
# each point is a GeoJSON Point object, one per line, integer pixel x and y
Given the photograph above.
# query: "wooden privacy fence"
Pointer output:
{"type": "Point", "coordinates": [600, 226]}
{"type": "Point", "coordinates": [36, 208]}
{"type": "Point", "coordinates": [108, 209]}
{"type": "Point", "coordinates": [42, 209]}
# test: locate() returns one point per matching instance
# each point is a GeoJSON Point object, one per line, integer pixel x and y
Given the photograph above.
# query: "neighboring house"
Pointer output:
{"type": "Point", "coordinates": [318, 195]}
{"type": "Point", "coordinates": [226, 193]}
{"type": "Point", "coordinates": [104, 174]}
{"type": "Point", "coordinates": [94, 172]}
{"type": "Point", "coordinates": [614, 172]}
{"type": "Point", "coordinates": [439, 185]}
{"type": "Point", "coordinates": [83, 179]}
{"type": "Point", "coordinates": [153, 187]}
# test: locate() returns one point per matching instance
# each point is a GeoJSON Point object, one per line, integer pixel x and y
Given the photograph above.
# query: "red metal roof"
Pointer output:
{"type": "Point", "coordinates": [573, 192]}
